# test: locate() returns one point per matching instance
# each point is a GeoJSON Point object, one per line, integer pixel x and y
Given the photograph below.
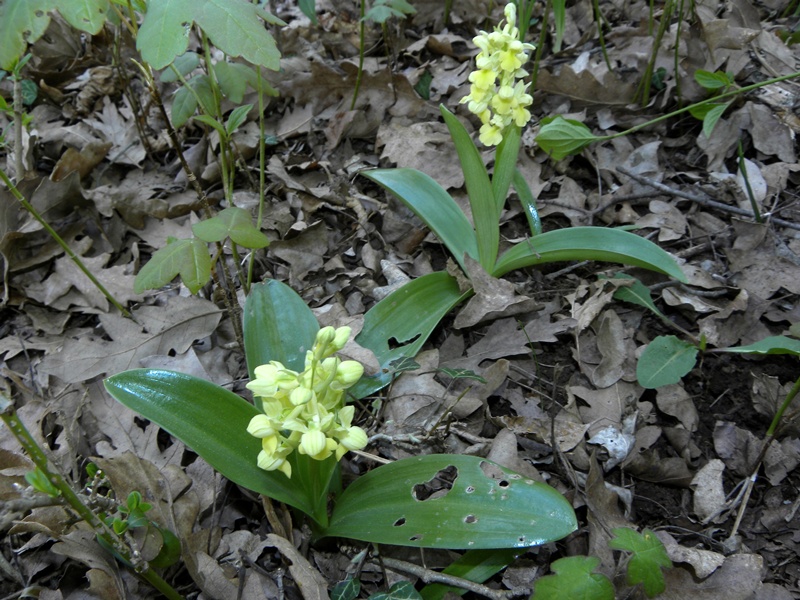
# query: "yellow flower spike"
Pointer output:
{"type": "Point", "coordinates": [316, 445]}
{"type": "Point", "coordinates": [300, 395]}
{"type": "Point", "coordinates": [261, 426]}
{"type": "Point", "coordinates": [348, 373]}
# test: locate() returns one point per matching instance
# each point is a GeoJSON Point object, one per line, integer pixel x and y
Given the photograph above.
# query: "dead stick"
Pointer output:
{"type": "Point", "coordinates": [429, 576]}
{"type": "Point", "coordinates": [702, 200]}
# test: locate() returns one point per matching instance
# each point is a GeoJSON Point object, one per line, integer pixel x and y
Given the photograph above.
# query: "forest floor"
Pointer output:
{"type": "Point", "coordinates": [562, 371]}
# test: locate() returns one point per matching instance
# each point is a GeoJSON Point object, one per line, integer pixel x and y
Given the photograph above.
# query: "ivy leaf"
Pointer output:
{"type": "Point", "coordinates": [574, 579]}
{"type": "Point", "coordinates": [665, 360]}
{"type": "Point", "coordinates": [648, 558]}
{"type": "Point", "coordinates": [187, 258]}
{"type": "Point", "coordinates": [347, 589]}
{"type": "Point", "coordinates": [561, 137]}
{"type": "Point", "coordinates": [232, 222]}
{"type": "Point", "coordinates": [402, 590]}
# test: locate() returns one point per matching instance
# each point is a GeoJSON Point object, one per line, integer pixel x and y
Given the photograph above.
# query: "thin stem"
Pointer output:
{"type": "Point", "coordinates": [74, 257]}
{"type": "Point", "coordinates": [19, 170]}
{"type": "Point", "coordinates": [750, 195]}
{"type": "Point", "coordinates": [786, 402]}
{"type": "Point", "coordinates": [540, 45]}
{"type": "Point", "coordinates": [361, 50]}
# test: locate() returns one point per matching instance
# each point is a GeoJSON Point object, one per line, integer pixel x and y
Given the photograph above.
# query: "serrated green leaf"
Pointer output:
{"type": "Point", "coordinates": [561, 137]}
{"type": "Point", "coordinates": [85, 15]}
{"type": "Point", "coordinates": [398, 326]}
{"type": "Point", "coordinates": [574, 579]}
{"type": "Point", "coordinates": [712, 116]}
{"type": "Point", "coordinates": [637, 293]}
{"type": "Point", "coordinates": [347, 589]}
{"type": "Point", "coordinates": [485, 212]}
{"type": "Point", "coordinates": [22, 22]}
{"type": "Point", "coordinates": [187, 258]}
{"type": "Point", "coordinates": [183, 106]}
{"type": "Point", "coordinates": [402, 590]}
{"type": "Point", "coordinates": [486, 506]}
{"type": "Point", "coordinates": [665, 361]}
{"type": "Point", "coordinates": [588, 243]}
{"type": "Point", "coordinates": [236, 28]}
{"type": "Point", "coordinates": [187, 407]}
{"type": "Point", "coordinates": [183, 64]}
{"type": "Point", "coordinates": [648, 558]}
{"type": "Point", "coordinates": [778, 344]}
{"type": "Point", "coordinates": [431, 203]}
{"type": "Point", "coordinates": [232, 222]}
{"type": "Point", "coordinates": [164, 33]}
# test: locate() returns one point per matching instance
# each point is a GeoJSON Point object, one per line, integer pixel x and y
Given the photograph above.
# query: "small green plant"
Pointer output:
{"type": "Point", "coordinates": [717, 83]}
{"type": "Point", "coordinates": [300, 428]}
{"type": "Point", "coordinates": [575, 577]}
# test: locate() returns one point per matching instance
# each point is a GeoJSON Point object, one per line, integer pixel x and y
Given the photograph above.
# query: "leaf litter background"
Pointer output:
{"type": "Point", "coordinates": [561, 402]}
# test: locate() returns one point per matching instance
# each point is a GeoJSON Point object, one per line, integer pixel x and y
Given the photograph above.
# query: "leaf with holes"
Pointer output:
{"type": "Point", "coordinates": [574, 578]}
{"type": "Point", "coordinates": [647, 559]}
{"type": "Point", "coordinates": [665, 360]}
{"type": "Point", "coordinates": [444, 501]}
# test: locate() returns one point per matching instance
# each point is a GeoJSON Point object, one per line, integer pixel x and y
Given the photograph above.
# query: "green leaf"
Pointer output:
{"type": "Point", "coordinates": [637, 293]}
{"type": "Point", "coordinates": [398, 326]}
{"type": "Point", "coordinates": [347, 589]}
{"type": "Point", "coordinates": [211, 421]}
{"type": "Point", "coordinates": [187, 258]}
{"type": "Point", "coordinates": [575, 578]}
{"type": "Point", "coordinates": [484, 506]}
{"type": "Point", "coordinates": [170, 552]}
{"type": "Point", "coordinates": [461, 374]}
{"type": "Point", "coordinates": [665, 360]}
{"type": "Point", "coordinates": [712, 81]}
{"type": "Point", "coordinates": [649, 557]}
{"type": "Point", "coordinates": [235, 119]}
{"type": "Point", "coordinates": [236, 28]}
{"type": "Point", "coordinates": [431, 203]}
{"type": "Point", "coordinates": [39, 481]}
{"type": "Point", "coordinates": [184, 104]}
{"type": "Point", "coordinates": [22, 22]}
{"type": "Point", "coordinates": [473, 565]}
{"type": "Point", "coordinates": [30, 91]}
{"type": "Point", "coordinates": [588, 243]}
{"type": "Point", "coordinates": [183, 64]}
{"type": "Point", "coordinates": [712, 116]}
{"type": "Point", "coordinates": [402, 590]}
{"type": "Point", "coordinates": [84, 15]}
{"type": "Point", "coordinates": [277, 326]}
{"type": "Point", "coordinates": [233, 79]}
{"type": "Point", "coordinates": [164, 33]}
{"type": "Point", "coordinates": [485, 213]}
{"type": "Point", "coordinates": [561, 137]}
{"type": "Point", "coordinates": [528, 203]}
{"type": "Point", "coordinates": [212, 122]}
{"type": "Point", "coordinates": [560, 14]}
{"type": "Point", "coordinates": [778, 344]}
{"type": "Point", "coordinates": [505, 166]}
{"type": "Point", "coordinates": [309, 8]}
{"type": "Point", "coordinates": [201, 84]}
{"type": "Point", "coordinates": [232, 222]}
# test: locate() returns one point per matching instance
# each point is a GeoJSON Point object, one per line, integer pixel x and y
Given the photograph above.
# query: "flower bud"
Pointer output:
{"type": "Point", "coordinates": [300, 395]}
{"type": "Point", "coordinates": [341, 337]}
{"type": "Point", "coordinates": [349, 372]}
{"type": "Point", "coordinates": [356, 439]}
{"type": "Point", "coordinates": [261, 426]}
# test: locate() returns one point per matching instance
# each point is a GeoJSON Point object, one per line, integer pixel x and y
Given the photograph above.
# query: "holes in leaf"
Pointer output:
{"type": "Point", "coordinates": [415, 538]}
{"type": "Point", "coordinates": [400, 522]}
{"type": "Point", "coordinates": [394, 343]}
{"type": "Point", "coordinates": [469, 489]}
{"type": "Point", "coordinates": [437, 486]}
{"type": "Point", "coordinates": [470, 519]}
{"type": "Point", "coordinates": [494, 472]}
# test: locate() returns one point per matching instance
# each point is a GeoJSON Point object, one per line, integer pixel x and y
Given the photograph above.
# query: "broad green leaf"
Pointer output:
{"type": "Point", "coordinates": [233, 79]}
{"type": "Point", "coordinates": [201, 84]}
{"type": "Point", "coordinates": [485, 213]}
{"type": "Point", "coordinates": [187, 258]}
{"type": "Point", "coordinates": [648, 558]}
{"type": "Point", "coordinates": [398, 326]}
{"type": "Point", "coordinates": [637, 293]}
{"type": "Point", "coordinates": [505, 166]}
{"type": "Point", "coordinates": [22, 22]}
{"type": "Point", "coordinates": [164, 34]}
{"type": "Point", "coordinates": [712, 116]}
{"type": "Point", "coordinates": [486, 506]}
{"type": "Point", "coordinates": [84, 15]}
{"type": "Point", "coordinates": [210, 420]}
{"type": "Point", "coordinates": [170, 552]}
{"type": "Point", "coordinates": [183, 64]}
{"type": "Point", "coordinates": [712, 81]}
{"type": "Point", "coordinates": [277, 325]}
{"type": "Point", "coordinates": [575, 578]}
{"type": "Point", "coordinates": [401, 590]}
{"type": "Point", "coordinates": [347, 589]}
{"type": "Point", "coordinates": [665, 361]}
{"type": "Point", "coordinates": [184, 104]}
{"type": "Point", "coordinates": [588, 243]}
{"type": "Point", "coordinates": [561, 137]}
{"type": "Point", "coordinates": [528, 203]}
{"type": "Point", "coordinates": [236, 28]}
{"type": "Point", "coordinates": [473, 565]}
{"type": "Point", "coordinates": [232, 222]}
{"type": "Point", "coordinates": [213, 123]}
{"type": "Point", "coordinates": [778, 344]}
{"type": "Point", "coordinates": [383, 10]}
{"type": "Point", "coordinates": [235, 119]}
{"type": "Point", "coordinates": [309, 8]}
{"type": "Point", "coordinates": [431, 203]}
